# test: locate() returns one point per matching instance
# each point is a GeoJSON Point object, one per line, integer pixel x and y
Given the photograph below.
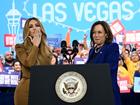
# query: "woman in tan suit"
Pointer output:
{"type": "Point", "coordinates": [33, 51]}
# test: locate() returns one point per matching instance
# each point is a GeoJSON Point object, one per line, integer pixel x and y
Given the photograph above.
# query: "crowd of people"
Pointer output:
{"type": "Point", "coordinates": [9, 65]}
{"type": "Point", "coordinates": [35, 51]}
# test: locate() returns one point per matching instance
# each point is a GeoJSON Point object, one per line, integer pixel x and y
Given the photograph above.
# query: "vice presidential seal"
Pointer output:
{"type": "Point", "coordinates": [71, 87]}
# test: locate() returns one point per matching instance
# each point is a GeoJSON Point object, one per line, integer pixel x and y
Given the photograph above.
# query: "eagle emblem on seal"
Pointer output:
{"type": "Point", "coordinates": [71, 87]}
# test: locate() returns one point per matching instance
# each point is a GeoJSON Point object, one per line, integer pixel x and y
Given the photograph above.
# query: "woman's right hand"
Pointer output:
{"type": "Point", "coordinates": [36, 38]}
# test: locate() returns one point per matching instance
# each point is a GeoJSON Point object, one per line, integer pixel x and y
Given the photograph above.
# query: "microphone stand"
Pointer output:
{"type": "Point", "coordinates": [69, 54]}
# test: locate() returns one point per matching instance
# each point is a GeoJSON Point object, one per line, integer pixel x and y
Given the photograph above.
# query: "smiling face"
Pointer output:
{"type": "Point", "coordinates": [135, 56]}
{"type": "Point", "coordinates": [98, 34]}
{"type": "Point", "coordinates": [17, 66]}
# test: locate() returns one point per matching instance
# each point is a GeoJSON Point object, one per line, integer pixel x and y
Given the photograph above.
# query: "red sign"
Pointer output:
{"type": "Point", "coordinates": [123, 84]}
{"type": "Point", "coordinates": [137, 36]}
{"type": "Point", "coordinates": [9, 40]}
{"type": "Point", "coordinates": [116, 27]}
{"type": "Point", "coordinates": [138, 45]}
{"type": "Point", "coordinates": [132, 37]}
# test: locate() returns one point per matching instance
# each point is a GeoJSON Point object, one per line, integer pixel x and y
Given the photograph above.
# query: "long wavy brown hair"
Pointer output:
{"type": "Point", "coordinates": [44, 55]}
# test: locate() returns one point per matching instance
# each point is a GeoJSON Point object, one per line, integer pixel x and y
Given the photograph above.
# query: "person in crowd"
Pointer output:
{"type": "Point", "coordinates": [7, 67]}
{"type": "Point", "coordinates": [2, 59]}
{"type": "Point", "coordinates": [126, 51]}
{"type": "Point", "coordinates": [7, 92]}
{"type": "Point", "coordinates": [105, 51]}
{"type": "Point", "coordinates": [124, 75]}
{"type": "Point", "coordinates": [123, 72]}
{"type": "Point", "coordinates": [9, 59]}
{"type": "Point", "coordinates": [33, 51]}
{"type": "Point", "coordinates": [84, 54]}
{"type": "Point", "coordinates": [17, 66]}
{"type": "Point", "coordinates": [1, 66]}
{"type": "Point", "coordinates": [17, 69]}
{"type": "Point", "coordinates": [54, 60]}
{"type": "Point", "coordinates": [82, 46]}
{"type": "Point", "coordinates": [131, 61]}
{"type": "Point", "coordinates": [137, 94]}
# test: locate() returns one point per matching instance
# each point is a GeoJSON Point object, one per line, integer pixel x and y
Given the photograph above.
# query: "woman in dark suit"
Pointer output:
{"type": "Point", "coordinates": [104, 51]}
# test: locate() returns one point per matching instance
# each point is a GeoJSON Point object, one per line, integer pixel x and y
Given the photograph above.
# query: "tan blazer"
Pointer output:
{"type": "Point", "coordinates": [27, 58]}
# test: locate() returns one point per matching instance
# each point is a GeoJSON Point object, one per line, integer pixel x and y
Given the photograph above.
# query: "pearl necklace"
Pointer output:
{"type": "Point", "coordinates": [97, 48]}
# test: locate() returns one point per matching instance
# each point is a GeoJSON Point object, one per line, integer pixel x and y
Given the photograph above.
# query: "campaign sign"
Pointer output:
{"type": "Point", "coordinates": [9, 40]}
{"type": "Point", "coordinates": [9, 79]}
{"type": "Point", "coordinates": [22, 22]}
{"type": "Point", "coordinates": [137, 84]}
{"type": "Point", "coordinates": [116, 27]}
{"type": "Point", "coordinates": [78, 60]}
{"type": "Point", "coordinates": [54, 40]}
{"type": "Point", "coordinates": [132, 37]}
{"type": "Point", "coordinates": [137, 36]}
{"type": "Point", "coordinates": [123, 84]}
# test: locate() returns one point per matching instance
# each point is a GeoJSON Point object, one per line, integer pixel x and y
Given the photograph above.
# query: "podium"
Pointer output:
{"type": "Point", "coordinates": [95, 87]}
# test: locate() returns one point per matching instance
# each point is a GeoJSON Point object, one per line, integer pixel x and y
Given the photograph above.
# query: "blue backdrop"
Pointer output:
{"type": "Point", "coordinates": [58, 15]}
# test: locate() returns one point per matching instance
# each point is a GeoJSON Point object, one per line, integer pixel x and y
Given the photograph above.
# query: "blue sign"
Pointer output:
{"type": "Point", "coordinates": [9, 79]}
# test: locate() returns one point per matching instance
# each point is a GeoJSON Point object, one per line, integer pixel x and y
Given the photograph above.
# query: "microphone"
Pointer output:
{"type": "Point", "coordinates": [69, 54]}
{"type": "Point", "coordinates": [63, 44]}
{"type": "Point", "coordinates": [75, 43]}
{"type": "Point", "coordinates": [64, 48]}
{"type": "Point", "coordinates": [75, 48]}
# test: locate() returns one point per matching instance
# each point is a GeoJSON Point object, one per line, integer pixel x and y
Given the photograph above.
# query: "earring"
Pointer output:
{"type": "Point", "coordinates": [106, 36]}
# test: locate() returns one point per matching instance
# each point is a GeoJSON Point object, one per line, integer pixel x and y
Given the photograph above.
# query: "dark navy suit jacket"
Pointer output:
{"type": "Point", "coordinates": [109, 53]}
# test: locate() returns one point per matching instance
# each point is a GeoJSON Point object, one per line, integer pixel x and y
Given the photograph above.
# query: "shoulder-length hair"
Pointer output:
{"type": "Point", "coordinates": [107, 30]}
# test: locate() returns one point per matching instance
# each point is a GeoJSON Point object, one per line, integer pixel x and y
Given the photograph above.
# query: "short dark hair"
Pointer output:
{"type": "Point", "coordinates": [107, 29]}
{"type": "Point", "coordinates": [15, 62]}
{"type": "Point", "coordinates": [127, 51]}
